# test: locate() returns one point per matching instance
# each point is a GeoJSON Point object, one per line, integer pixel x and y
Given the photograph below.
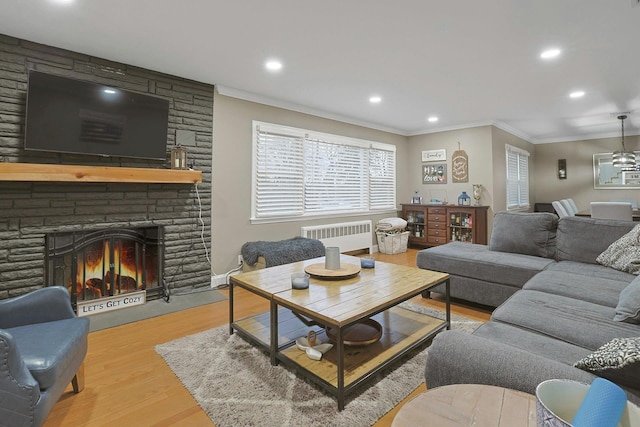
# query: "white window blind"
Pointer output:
{"type": "Point", "coordinates": [303, 173]}
{"type": "Point", "coordinates": [517, 178]}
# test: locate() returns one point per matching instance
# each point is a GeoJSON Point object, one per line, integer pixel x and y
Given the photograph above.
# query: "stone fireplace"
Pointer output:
{"type": "Point", "coordinates": [96, 264]}
{"type": "Point", "coordinates": [32, 212]}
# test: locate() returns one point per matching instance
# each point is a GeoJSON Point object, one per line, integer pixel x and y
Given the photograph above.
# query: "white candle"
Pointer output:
{"type": "Point", "coordinates": [332, 258]}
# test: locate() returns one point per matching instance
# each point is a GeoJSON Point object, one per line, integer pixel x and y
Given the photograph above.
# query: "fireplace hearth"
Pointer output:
{"type": "Point", "coordinates": [99, 264]}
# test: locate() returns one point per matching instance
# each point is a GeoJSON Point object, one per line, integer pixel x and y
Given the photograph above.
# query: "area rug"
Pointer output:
{"type": "Point", "coordinates": [236, 385]}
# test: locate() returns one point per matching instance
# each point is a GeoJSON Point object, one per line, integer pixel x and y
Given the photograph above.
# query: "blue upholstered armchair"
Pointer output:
{"type": "Point", "coordinates": [42, 349]}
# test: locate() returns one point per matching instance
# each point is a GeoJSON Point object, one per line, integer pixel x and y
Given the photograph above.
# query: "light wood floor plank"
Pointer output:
{"type": "Point", "coordinates": [128, 383]}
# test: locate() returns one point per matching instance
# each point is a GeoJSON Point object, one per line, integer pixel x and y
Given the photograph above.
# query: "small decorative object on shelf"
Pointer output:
{"type": "Point", "coordinates": [464, 199]}
{"type": "Point", "coordinates": [417, 199]}
{"type": "Point", "coordinates": [477, 192]}
{"type": "Point", "coordinates": [179, 157]}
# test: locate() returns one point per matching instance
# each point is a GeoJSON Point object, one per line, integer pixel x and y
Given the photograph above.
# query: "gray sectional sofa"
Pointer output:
{"type": "Point", "coordinates": [556, 304]}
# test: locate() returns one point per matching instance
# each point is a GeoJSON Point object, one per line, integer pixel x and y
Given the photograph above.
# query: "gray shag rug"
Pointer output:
{"type": "Point", "coordinates": [236, 385]}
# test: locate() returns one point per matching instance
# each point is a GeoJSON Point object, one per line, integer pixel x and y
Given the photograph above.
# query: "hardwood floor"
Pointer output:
{"type": "Point", "coordinates": [128, 384]}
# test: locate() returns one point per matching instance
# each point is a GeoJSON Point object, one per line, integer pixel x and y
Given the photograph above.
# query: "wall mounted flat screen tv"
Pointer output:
{"type": "Point", "coordinates": [66, 115]}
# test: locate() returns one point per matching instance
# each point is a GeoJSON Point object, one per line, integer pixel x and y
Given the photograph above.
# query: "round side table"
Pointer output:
{"type": "Point", "coordinates": [468, 405]}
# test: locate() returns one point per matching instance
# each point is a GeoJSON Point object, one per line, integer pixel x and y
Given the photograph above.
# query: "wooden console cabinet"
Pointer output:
{"type": "Point", "coordinates": [433, 225]}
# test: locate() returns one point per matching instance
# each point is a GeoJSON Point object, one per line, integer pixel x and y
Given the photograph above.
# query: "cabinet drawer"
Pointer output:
{"type": "Point", "coordinates": [437, 218]}
{"type": "Point", "coordinates": [437, 225]}
{"type": "Point", "coordinates": [437, 233]}
{"type": "Point", "coordinates": [438, 211]}
{"type": "Point", "coordinates": [435, 240]}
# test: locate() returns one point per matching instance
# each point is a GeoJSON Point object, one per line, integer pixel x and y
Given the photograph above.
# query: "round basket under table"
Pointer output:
{"type": "Point", "coordinates": [363, 333]}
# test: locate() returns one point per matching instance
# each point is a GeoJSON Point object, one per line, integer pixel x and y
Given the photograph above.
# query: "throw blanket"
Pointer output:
{"type": "Point", "coordinates": [282, 252]}
{"type": "Point", "coordinates": [624, 253]}
{"type": "Point", "coordinates": [391, 224]}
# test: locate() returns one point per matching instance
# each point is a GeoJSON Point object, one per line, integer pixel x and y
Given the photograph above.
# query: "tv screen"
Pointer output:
{"type": "Point", "coordinates": [72, 116]}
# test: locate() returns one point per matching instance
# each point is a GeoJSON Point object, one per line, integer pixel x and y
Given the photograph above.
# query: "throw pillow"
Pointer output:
{"type": "Point", "coordinates": [618, 361]}
{"type": "Point", "coordinates": [624, 253]}
{"type": "Point", "coordinates": [628, 308]}
{"type": "Point", "coordinates": [524, 233]}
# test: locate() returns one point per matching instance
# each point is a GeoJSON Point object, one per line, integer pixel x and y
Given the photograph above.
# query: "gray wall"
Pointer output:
{"type": "Point", "coordinates": [231, 207]}
{"type": "Point", "coordinates": [29, 210]}
{"type": "Point", "coordinates": [579, 182]}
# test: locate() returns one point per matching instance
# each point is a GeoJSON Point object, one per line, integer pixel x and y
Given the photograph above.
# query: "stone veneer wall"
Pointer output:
{"type": "Point", "coordinates": [28, 210]}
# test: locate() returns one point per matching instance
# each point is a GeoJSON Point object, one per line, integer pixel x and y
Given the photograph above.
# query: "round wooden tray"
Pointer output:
{"type": "Point", "coordinates": [362, 333]}
{"type": "Point", "coordinates": [346, 271]}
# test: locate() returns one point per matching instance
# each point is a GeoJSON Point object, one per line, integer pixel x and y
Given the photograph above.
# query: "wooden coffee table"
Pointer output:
{"type": "Point", "coordinates": [338, 304]}
{"type": "Point", "coordinates": [468, 405]}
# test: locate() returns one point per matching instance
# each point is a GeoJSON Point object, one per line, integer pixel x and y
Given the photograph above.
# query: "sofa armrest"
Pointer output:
{"type": "Point", "coordinates": [42, 305]}
{"type": "Point", "coordinates": [457, 358]}
{"type": "Point", "coordinates": [19, 391]}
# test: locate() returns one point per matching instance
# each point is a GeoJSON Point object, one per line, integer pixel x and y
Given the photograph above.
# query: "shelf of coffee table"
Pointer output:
{"type": "Point", "coordinates": [402, 329]}
{"type": "Point", "coordinates": [257, 328]}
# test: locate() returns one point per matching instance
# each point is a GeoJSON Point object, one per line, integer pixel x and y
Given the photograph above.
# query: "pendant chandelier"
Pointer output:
{"type": "Point", "coordinates": [624, 158]}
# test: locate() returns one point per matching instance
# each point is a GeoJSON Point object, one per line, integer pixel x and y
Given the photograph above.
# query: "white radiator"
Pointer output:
{"type": "Point", "coordinates": [348, 236]}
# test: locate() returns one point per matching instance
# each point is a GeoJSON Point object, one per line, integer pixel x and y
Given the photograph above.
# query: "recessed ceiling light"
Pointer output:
{"type": "Point", "coordinates": [550, 53]}
{"type": "Point", "coordinates": [577, 94]}
{"type": "Point", "coordinates": [273, 65]}
{"type": "Point", "coordinates": [109, 91]}
{"type": "Point", "coordinates": [375, 99]}
{"type": "Point", "coordinates": [432, 119]}
{"type": "Point", "coordinates": [62, 1]}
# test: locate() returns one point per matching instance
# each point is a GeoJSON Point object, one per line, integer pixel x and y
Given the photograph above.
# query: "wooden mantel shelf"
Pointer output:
{"type": "Point", "coordinates": [77, 173]}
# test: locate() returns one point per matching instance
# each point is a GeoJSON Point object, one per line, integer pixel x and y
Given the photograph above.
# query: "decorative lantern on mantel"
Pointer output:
{"type": "Point", "coordinates": [178, 157]}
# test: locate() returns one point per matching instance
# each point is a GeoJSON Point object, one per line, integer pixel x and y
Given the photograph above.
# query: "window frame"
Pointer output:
{"type": "Point", "coordinates": [385, 169]}
{"type": "Point", "coordinates": [515, 180]}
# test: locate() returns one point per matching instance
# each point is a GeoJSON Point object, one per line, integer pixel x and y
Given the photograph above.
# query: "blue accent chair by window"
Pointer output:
{"type": "Point", "coordinates": [42, 349]}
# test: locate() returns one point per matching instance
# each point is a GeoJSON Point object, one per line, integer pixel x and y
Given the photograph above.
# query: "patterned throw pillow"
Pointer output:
{"type": "Point", "coordinates": [628, 308]}
{"type": "Point", "coordinates": [618, 360]}
{"type": "Point", "coordinates": [624, 253]}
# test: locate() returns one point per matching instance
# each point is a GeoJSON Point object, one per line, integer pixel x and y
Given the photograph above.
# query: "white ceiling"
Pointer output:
{"type": "Point", "coordinates": [468, 62]}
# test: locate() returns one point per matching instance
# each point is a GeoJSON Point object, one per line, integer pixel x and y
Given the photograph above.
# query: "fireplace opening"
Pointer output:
{"type": "Point", "coordinates": [105, 263]}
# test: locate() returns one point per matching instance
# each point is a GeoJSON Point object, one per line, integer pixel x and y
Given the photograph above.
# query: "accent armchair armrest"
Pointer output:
{"type": "Point", "coordinates": [42, 305]}
{"type": "Point", "coordinates": [20, 390]}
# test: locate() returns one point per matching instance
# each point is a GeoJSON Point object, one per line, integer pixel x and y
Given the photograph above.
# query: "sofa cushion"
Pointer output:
{"type": "Point", "coordinates": [577, 322]}
{"type": "Point", "coordinates": [624, 253]}
{"type": "Point", "coordinates": [524, 233]}
{"type": "Point", "coordinates": [618, 360]}
{"type": "Point", "coordinates": [532, 342]}
{"type": "Point", "coordinates": [593, 270]}
{"type": "Point", "coordinates": [48, 348]}
{"type": "Point", "coordinates": [479, 291]}
{"type": "Point", "coordinates": [628, 308]}
{"type": "Point", "coordinates": [589, 288]}
{"type": "Point", "coordinates": [582, 239]}
{"type": "Point", "coordinates": [478, 262]}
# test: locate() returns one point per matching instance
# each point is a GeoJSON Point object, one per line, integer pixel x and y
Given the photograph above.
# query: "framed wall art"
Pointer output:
{"type": "Point", "coordinates": [434, 173]}
{"type": "Point", "coordinates": [605, 175]}
{"type": "Point", "coordinates": [434, 155]}
{"type": "Point", "coordinates": [459, 166]}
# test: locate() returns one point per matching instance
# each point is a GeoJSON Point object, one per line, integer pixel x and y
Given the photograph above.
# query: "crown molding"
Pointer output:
{"type": "Point", "coordinates": [500, 125]}
{"type": "Point", "coordinates": [272, 102]}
